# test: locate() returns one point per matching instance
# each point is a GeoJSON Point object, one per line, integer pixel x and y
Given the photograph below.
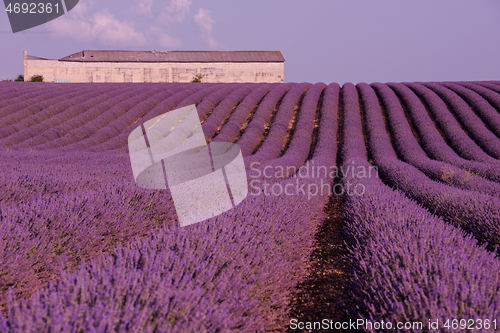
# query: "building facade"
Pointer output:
{"type": "Point", "coordinates": [155, 66]}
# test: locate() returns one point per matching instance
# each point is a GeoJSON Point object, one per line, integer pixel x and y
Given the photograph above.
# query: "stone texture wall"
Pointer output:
{"type": "Point", "coordinates": [64, 71]}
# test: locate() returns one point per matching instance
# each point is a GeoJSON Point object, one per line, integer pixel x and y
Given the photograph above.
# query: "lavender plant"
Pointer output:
{"type": "Point", "coordinates": [228, 273]}
{"type": "Point", "coordinates": [117, 123]}
{"type": "Point", "coordinates": [55, 115]}
{"type": "Point", "coordinates": [488, 115]}
{"type": "Point", "coordinates": [432, 141]}
{"type": "Point", "coordinates": [208, 104]}
{"type": "Point", "coordinates": [409, 150]}
{"type": "Point", "coordinates": [16, 112]}
{"type": "Point", "coordinates": [12, 96]}
{"type": "Point", "coordinates": [83, 249]}
{"type": "Point", "coordinates": [475, 212]}
{"type": "Point", "coordinates": [469, 120]}
{"type": "Point", "coordinates": [242, 114]}
{"type": "Point", "coordinates": [493, 98]}
{"type": "Point", "coordinates": [490, 85]}
{"type": "Point", "coordinates": [274, 142]}
{"type": "Point", "coordinates": [221, 113]}
{"type": "Point", "coordinates": [55, 136]}
{"type": "Point", "coordinates": [299, 147]}
{"type": "Point", "coordinates": [256, 128]}
{"type": "Point", "coordinates": [119, 143]}
{"type": "Point", "coordinates": [457, 138]}
{"type": "Point", "coordinates": [409, 265]}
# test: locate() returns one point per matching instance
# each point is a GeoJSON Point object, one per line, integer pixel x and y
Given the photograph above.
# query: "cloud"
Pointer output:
{"type": "Point", "coordinates": [144, 6]}
{"type": "Point", "coordinates": [175, 11]}
{"type": "Point", "coordinates": [164, 39]}
{"type": "Point", "coordinates": [205, 23]}
{"type": "Point", "coordinates": [101, 26]}
{"type": "Point", "coordinates": [84, 25]}
{"type": "Point", "coordinates": [82, 8]}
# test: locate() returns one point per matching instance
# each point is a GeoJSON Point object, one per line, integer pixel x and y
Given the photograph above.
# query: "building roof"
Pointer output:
{"type": "Point", "coordinates": [29, 57]}
{"type": "Point", "coordinates": [175, 56]}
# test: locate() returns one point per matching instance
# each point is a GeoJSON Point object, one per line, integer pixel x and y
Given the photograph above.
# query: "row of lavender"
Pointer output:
{"type": "Point", "coordinates": [88, 130]}
{"type": "Point", "coordinates": [475, 212]}
{"type": "Point", "coordinates": [230, 273]}
{"type": "Point", "coordinates": [85, 117]}
{"type": "Point", "coordinates": [409, 265]}
{"type": "Point", "coordinates": [215, 276]}
{"type": "Point", "coordinates": [421, 281]}
{"type": "Point", "coordinates": [388, 217]}
{"type": "Point", "coordinates": [291, 146]}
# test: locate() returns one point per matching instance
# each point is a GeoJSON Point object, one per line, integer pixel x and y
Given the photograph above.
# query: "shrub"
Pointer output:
{"type": "Point", "coordinates": [197, 77]}
{"type": "Point", "coordinates": [36, 78]}
{"type": "Point", "coordinates": [20, 78]}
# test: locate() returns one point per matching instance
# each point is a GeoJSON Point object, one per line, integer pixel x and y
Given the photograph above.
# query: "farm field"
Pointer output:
{"type": "Point", "coordinates": [406, 176]}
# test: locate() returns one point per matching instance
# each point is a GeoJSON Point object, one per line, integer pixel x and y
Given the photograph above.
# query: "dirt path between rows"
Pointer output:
{"type": "Point", "coordinates": [323, 294]}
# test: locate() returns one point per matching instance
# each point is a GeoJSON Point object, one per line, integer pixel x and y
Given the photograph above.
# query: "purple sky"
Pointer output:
{"type": "Point", "coordinates": [322, 41]}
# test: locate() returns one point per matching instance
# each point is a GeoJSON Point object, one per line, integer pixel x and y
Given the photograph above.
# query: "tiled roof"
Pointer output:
{"type": "Point", "coordinates": [175, 56]}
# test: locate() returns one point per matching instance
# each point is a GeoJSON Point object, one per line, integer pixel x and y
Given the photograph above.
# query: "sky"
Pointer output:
{"type": "Point", "coordinates": [321, 40]}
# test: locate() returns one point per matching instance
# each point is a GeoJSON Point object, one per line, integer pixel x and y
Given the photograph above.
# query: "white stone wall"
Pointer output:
{"type": "Point", "coordinates": [65, 71]}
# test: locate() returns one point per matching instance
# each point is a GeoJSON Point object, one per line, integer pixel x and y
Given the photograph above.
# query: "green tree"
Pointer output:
{"type": "Point", "coordinates": [20, 78]}
{"type": "Point", "coordinates": [197, 77]}
{"type": "Point", "coordinates": [36, 78]}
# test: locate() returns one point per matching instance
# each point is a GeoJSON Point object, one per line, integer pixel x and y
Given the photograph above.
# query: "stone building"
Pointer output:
{"type": "Point", "coordinates": [155, 66]}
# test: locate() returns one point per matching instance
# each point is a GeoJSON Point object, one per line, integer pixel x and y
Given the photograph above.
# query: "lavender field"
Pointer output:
{"type": "Point", "coordinates": [410, 172]}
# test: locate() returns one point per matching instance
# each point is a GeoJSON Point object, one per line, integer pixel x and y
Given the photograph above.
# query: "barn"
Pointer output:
{"type": "Point", "coordinates": [156, 66]}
